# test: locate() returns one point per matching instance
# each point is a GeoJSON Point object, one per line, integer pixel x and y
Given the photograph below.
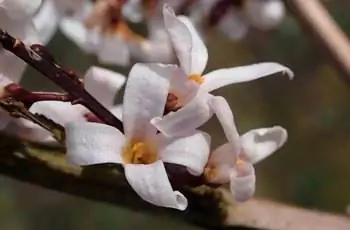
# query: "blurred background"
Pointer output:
{"type": "Point", "coordinates": [312, 170]}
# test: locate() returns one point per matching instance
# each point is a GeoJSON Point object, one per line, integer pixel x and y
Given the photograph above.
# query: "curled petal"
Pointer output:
{"type": "Point", "coordinates": [189, 47]}
{"type": "Point", "coordinates": [145, 96]}
{"type": "Point", "coordinates": [103, 84]}
{"type": "Point", "coordinates": [191, 151]}
{"type": "Point", "coordinates": [93, 143]}
{"type": "Point", "coordinates": [151, 183]}
{"type": "Point", "coordinates": [257, 144]}
{"type": "Point", "coordinates": [59, 112]}
{"type": "Point", "coordinates": [223, 77]}
{"type": "Point", "coordinates": [242, 183]}
{"type": "Point", "coordinates": [187, 119]}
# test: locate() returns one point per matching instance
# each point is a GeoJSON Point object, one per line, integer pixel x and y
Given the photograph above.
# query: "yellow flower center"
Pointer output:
{"type": "Point", "coordinates": [139, 153]}
{"type": "Point", "coordinates": [196, 78]}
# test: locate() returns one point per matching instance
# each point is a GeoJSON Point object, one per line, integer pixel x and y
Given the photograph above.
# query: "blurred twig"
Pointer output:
{"type": "Point", "coordinates": [208, 207]}
{"type": "Point", "coordinates": [315, 17]}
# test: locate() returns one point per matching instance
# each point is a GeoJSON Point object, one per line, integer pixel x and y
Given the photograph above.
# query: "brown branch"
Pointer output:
{"type": "Point", "coordinates": [313, 15]}
{"type": "Point", "coordinates": [39, 58]}
{"type": "Point", "coordinates": [210, 208]}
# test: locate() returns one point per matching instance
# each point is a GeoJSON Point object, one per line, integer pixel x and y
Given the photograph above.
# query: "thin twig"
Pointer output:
{"type": "Point", "coordinates": [313, 15]}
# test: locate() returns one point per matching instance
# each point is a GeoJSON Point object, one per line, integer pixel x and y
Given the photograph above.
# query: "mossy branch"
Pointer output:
{"type": "Point", "coordinates": [208, 207]}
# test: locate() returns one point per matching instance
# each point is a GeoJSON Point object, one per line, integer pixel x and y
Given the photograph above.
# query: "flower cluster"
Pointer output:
{"type": "Point", "coordinates": [164, 106]}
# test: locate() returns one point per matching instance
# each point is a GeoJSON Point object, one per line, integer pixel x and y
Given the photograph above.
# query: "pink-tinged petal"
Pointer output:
{"type": "Point", "coordinates": [190, 151]}
{"type": "Point", "coordinates": [225, 116]}
{"type": "Point", "coordinates": [59, 112]}
{"type": "Point", "coordinates": [257, 144]}
{"type": "Point", "coordinates": [19, 9]}
{"type": "Point", "coordinates": [144, 98]}
{"type": "Point", "coordinates": [117, 111]}
{"type": "Point", "coordinates": [103, 84]}
{"type": "Point", "coordinates": [93, 143]}
{"type": "Point", "coordinates": [189, 47]}
{"type": "Point", "coordinates": [242, 182]}
{"type": "Point", "coordinates": [223, 77]}
{"type": "Point", "coordinates": [114, 50]}
{"type": "Point", "coordinates": [151, 183]}
{"type": "Point", "coordinates": [220, 162]}
{"type": "Point", "coordinates": [187, 119]}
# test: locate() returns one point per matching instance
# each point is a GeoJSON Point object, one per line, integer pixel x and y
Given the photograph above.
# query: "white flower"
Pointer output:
{"type": "Point", "coordinates": [141, 150]}
{"type": "Point", "coordinates": [233, 162]}
{"type": "Point", "coordinates": [189, 87]}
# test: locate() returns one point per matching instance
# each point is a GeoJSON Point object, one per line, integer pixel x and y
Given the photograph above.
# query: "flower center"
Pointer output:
{"type": "Point", "coordinates": [196, 78]}
{"type": "Point", "coordinates": [139, 153]}
{"type": "Point", "coordinates": [172, 103]}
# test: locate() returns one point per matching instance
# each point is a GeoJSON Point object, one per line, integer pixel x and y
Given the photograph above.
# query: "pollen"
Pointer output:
{"type": "Point", "coordinates": [196, 78]}
{"type": "Point", "coordinates": [139, 153]}
{"type": "Point", "coordinates": [210, 173]}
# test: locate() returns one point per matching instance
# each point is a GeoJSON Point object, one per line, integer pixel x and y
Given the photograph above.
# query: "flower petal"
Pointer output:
{"type": "Point", "coordinates": [151, 183]}
{"type": "Point", "coordinates": [114, 50]}
{"type": "Point", "coordinates": [189, 47]}
{"type": "Point", "coordinates": [220, 162]}
{"type": "Point", "coordinates": [191, 151]}
{"type": "Point", "coordinates": [243, 186]}
{"type": "Point", "coordinates": [257, 144]}
{"type": "Point", "coordinates": [11, 66]}
{"type": "Point", "coordinates": [225, 116]}
{"type": "Point", "coordinates": [59, 112]}
{"type": "Point", "coordinates": [187, 119]}
{"type": "Point", "coordinates": [30, 131]}
{"type": "Point", "coordinates": [20, 9]}
{"type": "Point", "coordinates": [234, 25]}
{"type": "Point", "coordinates": [145, 97]}
{"type": "Point", "coordinates": [117, 111]}
{"type": "Point", "coordinates": [46, 21]}
{"type": "Point", "coordinates": [223, 77]}
{"type": "Point", "coordinates": [103, 84]}
{"type": "Point", "coordinates": [93, 143]}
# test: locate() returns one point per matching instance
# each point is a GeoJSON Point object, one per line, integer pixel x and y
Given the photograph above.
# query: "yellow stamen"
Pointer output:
{"type": "Point", "coordinates": [240, 162]}
{"type": "Point", "coordinates": [196, 78]}
{"type": "Point", "coordinates": [210, 173]}
{"type": "Point", "coordinates": [124, 30]}
{"type": "Point", "coordinates": [139, 153]}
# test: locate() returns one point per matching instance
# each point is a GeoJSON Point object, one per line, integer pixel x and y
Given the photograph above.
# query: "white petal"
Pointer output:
{"type": "Point", "coordinates": [46, 21]}
{"type": "Point", "coordinates": [265, 14]}
{"type": "Point", "coordinates": [151, 183]}
{"type": "Point", "coordinates": [243, 186]}
{"type": "Point", "coordinates": [223, 77]}
{"type": "Point", "coordinates": [189, 47]}
{"type": "Point", "coordinates": [225, 116]}
{"type": "Point", "coordinates": [59, 112]}
{"type": "Point", "coordinates": [30, 131]}
{"type": "Point", "coordinates": [114, 50]}
{"type": "Point", "coordinates": [117, 111]}
{"type": "Point", "coordinates": [234, 25]}
{"type": "Point", "coordinates": [103, 84]}
{"type": "Point", "coordinates": [221, 160]}
{"type": "Point", "coordinates": [187, 119]}
{"type": "Point", "coordinates": [93, 143]}
{"type": "Point", "coordinates": [190, 151]}
{"type": "Point", "coordinates": [260, 143]}
{"type": "Point", "coordinates": [144, 98]}
{"type": "Point", "coordinates": [20, 8]}
{"type": "Point", "coordinates": [11, 66]}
